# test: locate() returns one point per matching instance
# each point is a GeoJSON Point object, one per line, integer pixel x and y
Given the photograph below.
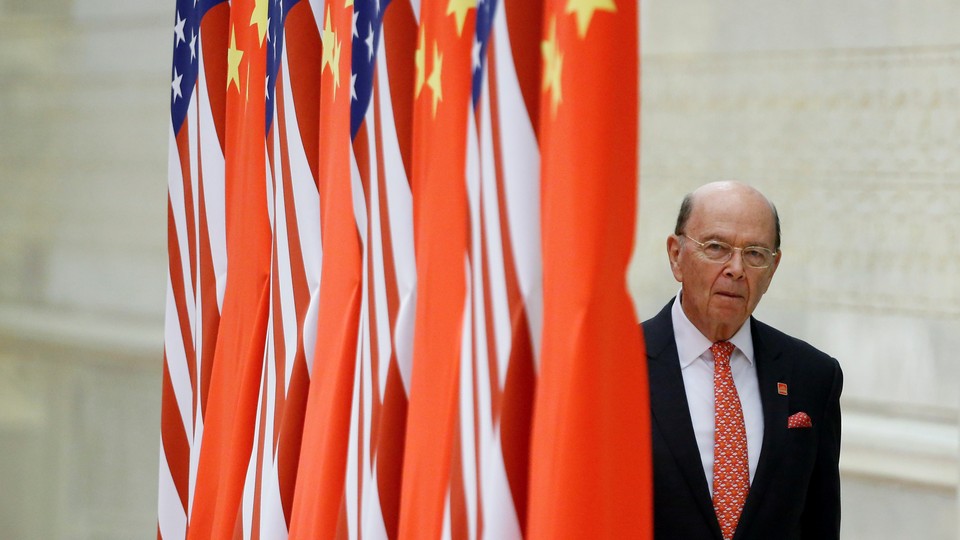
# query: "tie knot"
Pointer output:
{"type": "Point", "coordinates": [721, 351]}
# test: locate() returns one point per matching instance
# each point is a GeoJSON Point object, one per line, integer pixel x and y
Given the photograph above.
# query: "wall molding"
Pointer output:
{"type": "Point", "coordinates": [876, 444]}
{"type": "Point", "coordinates": [916, 451]}
{"type": "Point", "coordinates": [103, 336]}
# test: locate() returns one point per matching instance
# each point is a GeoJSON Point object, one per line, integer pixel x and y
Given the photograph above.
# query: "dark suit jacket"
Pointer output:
{"type": "Point", "coordinates": [796, 489]}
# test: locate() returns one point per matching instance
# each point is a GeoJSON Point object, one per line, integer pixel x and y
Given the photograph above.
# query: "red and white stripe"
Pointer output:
{"type": "Point", "coordinates": [231, 405]}
{"type": "Point", "coordinates": [511, 198]}
{"type": "Point", "coordinates": [406, 432]}
{"type": "Point", "coordinates": [484, 494]}
{"type": "Point", "coordinates": [498, 376]}
{"type": "Point", "coordinates": [383, 206]}
{"type": "Point", "coordinates": [196, 282]}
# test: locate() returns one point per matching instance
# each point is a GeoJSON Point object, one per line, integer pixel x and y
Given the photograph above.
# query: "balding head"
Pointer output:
{"type": "Point", "coordinates": [719, 293]}
{"type": "Point", "coordinates": [728, 187]}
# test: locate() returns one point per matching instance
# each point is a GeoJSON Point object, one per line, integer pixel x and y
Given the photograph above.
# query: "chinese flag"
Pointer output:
{"type": "Point", "coordinates": [318, 499]}
{"type": "Point", "coordinates": [234, 381]}
{"type": "Point", "coordinates": [442, 100]}
{"type": "Point", "coordinates": [590, 471]}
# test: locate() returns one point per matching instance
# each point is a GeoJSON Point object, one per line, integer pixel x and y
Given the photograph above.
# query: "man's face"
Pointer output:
{"type": "Point", "coordinates": [719, 297]}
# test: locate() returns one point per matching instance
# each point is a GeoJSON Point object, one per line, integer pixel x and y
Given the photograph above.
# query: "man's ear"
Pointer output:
{"type": "Point", "coordinates": [673, 253]}
{"type": "Point", "coordinates": [776, 263]}
{"type": "Point", "coordinates": [773, 270]}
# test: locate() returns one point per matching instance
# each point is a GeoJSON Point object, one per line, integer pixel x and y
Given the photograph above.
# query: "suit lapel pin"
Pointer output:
{"type": "Point", "coordinates": [782, 388]}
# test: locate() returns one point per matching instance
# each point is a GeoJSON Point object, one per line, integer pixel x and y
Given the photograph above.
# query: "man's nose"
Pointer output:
{"type": "Point", "coordinates": [734, 267]}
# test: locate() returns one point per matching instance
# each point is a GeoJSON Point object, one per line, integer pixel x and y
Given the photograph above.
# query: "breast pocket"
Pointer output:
{"type": "Point", "coordinates": [801, 449]}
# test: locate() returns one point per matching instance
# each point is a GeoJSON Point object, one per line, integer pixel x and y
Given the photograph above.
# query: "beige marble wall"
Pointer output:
{"type": "Point", "coordinates": [848, 117]}
{"type": "Point", "coordinates": [83, 146]}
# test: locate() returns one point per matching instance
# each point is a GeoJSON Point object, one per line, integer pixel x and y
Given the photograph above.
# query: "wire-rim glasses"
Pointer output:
{"type": "Point", "coordinates": [721, 252]}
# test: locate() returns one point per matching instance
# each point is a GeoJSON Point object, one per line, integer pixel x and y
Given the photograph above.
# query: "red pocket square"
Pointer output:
{"type": "Point", "coordinates": [799, 420]}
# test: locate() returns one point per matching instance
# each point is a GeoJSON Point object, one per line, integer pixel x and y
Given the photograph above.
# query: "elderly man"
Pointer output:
{"type": "Point", "coordinates": [745, 419]}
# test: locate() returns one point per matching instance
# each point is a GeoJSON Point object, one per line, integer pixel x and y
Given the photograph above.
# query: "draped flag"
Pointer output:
{"type": "Point", "coordinates": [503, 186]}
{"type": "Point", "coordinates": [381, 98]}
{"type": "Point", "coordinates": [398, 236]}
{"type": "Point", "coordinates": [442, 94]}
{"type": "Point", "coordinates": [477, 199]}
{"type": "Point", "coordinates": [358, 475]}
{"type": "Point", "coordinates": [590, 474]}
{"type": "Point", "coordinates": [196, 247]}
{"type": "Point", "coordinates": [232, 226]}
{"type": "Point", "coordinates": [292, 141]}
{"type": "Point", "coordinates": [238, 359]}
{"type": "Point", "coordinates": [317, 508]}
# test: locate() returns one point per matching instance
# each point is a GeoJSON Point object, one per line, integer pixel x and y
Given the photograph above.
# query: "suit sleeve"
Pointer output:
{"type": "Point", "coordinates": [821, 515]}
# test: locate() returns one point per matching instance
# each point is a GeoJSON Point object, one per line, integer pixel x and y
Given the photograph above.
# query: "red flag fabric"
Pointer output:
{"type": "Point", "coordinates": [442, 96]}
{"type": "Point", "coordinates": [323, 460]}
{"type": "Point", "coordinates": [480, 387]}
{"type": "Point", "coordinates": [590, 474]}
{"type": "Point", "coordinates": [292, 139]}
{"type": "Point", "coordinates": [234, 380]}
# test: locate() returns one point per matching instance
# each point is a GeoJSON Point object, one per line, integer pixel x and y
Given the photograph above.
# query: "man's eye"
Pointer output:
{"type": "Point", "coordinates": [715, 248]}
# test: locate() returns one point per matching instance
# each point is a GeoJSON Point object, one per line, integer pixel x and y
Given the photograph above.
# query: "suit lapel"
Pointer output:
{"type": "Point", "coordinates": [772, 368]}
{"type": "Point", "coordinates": [671, 414]}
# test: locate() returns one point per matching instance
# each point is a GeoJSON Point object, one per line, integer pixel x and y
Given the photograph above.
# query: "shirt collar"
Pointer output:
{"type": "Point", "coordinates": [691, 343]}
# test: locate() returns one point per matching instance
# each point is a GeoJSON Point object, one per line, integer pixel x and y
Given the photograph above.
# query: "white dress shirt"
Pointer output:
{"type": "Point", "coordinates": [696, 366]}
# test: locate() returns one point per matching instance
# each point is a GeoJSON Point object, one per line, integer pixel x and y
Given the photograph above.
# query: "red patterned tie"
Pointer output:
{"type": "Point", "coordinates": [731, 470]}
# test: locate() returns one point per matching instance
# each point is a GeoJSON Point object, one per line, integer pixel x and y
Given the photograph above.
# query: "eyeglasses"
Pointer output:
{"type": "Point", "coordinates": [721, 252]}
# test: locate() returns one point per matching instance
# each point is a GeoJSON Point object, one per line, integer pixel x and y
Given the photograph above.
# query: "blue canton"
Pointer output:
{"type": "Point", "coordinates": [186, 48]}
{"type": "Point", "coordinates": [485, 12]}
{"type": "Point", "coordinates": [275, 21]}
{"type": "Point", "coordinates": [367, 26]}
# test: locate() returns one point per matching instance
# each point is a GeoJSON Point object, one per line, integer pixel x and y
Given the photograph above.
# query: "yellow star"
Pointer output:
{"type": "Point", "coordinates": [234, 56]}
{"type": "Point", "coordinates": [335, 66]}
{"type": "Point", "coordinates": [584, 11]}
{"type": "Point", "coordinates": [259, 18]}
{"type": "Point", "coordinates": [434, 81]}
{"type": "Point", "coordinates": [348, 4]}
{"type": "Point", "coordinates": [331, 52]}
{"type": "Point", "coordinates": [552, 66]}
{"type": "Point", "coordinates": [419, 59]}
{"type": "Point", "coordinates": [459, 10]}
{"type": "Point", "coordinates": [327, 38]}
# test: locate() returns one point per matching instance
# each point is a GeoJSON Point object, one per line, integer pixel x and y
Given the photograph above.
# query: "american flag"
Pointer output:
{"type": "Point", "coordinates": [380, 116]}
{"type": "Point", "coordinates": [482, 113]}
{"type": "Point", "coordinates": [196, 247]}
{"type": "Point", "coordinates": [503, 186]}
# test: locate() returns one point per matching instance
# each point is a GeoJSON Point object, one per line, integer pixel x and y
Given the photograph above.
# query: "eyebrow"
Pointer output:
{"type": "Point", "coordinates": [718, 238]}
